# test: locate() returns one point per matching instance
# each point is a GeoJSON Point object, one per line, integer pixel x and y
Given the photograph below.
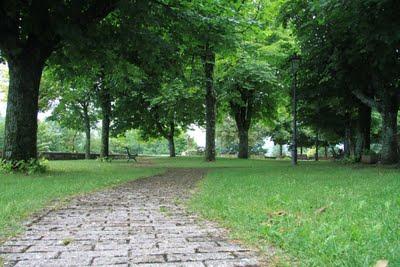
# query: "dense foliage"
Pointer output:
{"type": "Point", "coordinates": [160, 66]}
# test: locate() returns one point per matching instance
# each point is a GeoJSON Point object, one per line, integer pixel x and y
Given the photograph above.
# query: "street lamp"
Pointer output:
{"type": "Point", "coordinates": [294, 62]}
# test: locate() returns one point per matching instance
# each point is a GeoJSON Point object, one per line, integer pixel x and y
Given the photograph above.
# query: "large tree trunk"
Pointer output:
{"type": "Point", "coordinates": [363, 135]}
{"type": "Point", "coordinates": [20, 141]}
{"type": "Point", "coordinates": [105, 99]}
{"type": "Point", "coordinates": [171, 142]}
{"type": "Point", "coordinates": [243, 144]}
{"type": "Point", "coordinates": [389, 152]}
{"type": "Point", "coordinates": [209, 62]}
{"type": "Point", "coordinates": [326, 152]}
{"type": "Point", "coordinates": [87, 131]}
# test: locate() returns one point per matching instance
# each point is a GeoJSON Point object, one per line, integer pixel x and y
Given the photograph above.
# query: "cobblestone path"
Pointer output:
{"type": "Point", "coordinates": [141, 223]}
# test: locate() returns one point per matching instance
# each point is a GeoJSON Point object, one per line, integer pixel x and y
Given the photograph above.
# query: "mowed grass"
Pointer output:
{"type": "Point", "coordinates": [21, 195]}
{"type": "Point", "coordinates": [316, 214]}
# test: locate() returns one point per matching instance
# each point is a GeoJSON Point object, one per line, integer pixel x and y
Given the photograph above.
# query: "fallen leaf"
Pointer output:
{"type": "Point", "coordinates": [321, 210]}
{"type": "Point", "coordinates": [277, 213]}
{"type": "Point", "coordinates": [381, 263]}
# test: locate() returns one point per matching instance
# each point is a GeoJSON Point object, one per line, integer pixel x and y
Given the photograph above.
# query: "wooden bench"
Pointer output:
{"type": "Point", "coordinates": [131, 156]}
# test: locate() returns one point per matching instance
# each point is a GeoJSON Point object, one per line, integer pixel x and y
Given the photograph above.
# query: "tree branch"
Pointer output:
{"type": "Point", "coordinates": [8, 29]}
{"type": "Point", "coordinates": [96, 12]}
{"type": "Point", "coordinates": [366, 99]}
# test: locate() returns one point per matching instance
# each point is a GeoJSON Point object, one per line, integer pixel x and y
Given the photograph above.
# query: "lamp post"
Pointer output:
{"type": "Point", "coordinates": [294, 62]}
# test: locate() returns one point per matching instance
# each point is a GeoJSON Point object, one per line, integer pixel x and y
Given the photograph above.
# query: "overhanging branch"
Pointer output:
{"type": "Point", "coordinates": [366, 99]}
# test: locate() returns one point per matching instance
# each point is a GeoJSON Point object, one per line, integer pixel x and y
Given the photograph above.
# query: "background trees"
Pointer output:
{"type": "Point", "coordinates": [249, 86]}
{"type": "Point", "coordinates": [140, 65]}
{"type": "Point", "coordinates": [351, 67]}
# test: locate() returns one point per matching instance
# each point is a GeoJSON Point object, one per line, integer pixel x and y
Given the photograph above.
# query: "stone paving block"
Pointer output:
{"type": "Point", "coordinates": [92, 254]}
{"type": "Point", "coordinates": [29, 256]}
{"type": "Point", "coordinates": [199, 256]}
{"type": "Point", "coordinates": [55, 262]}
{"type": "Point", "coordinates": [147, 258]}
{"type": "Point", "coordinates": [109, 261]}
{"type": "Point", "coordinates": [175, 264]}
{"type": "Point", "coordinates": [13, 249]}
{"type": "Point", "coordinates": [232, 263]}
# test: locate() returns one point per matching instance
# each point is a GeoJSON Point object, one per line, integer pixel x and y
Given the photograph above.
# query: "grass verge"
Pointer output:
{"type": "Point", "coordinates": [318, 214]}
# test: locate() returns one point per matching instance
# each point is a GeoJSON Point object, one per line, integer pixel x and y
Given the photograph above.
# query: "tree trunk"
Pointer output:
{"type": "Point", "coordinates": [171, 147]}
{"type": "Point", "coordinates": [334, 155]}
{"type": "Point", "coordinates": [87, 131]}
{"type": "Point", "coordinates": [317, 147]}
{"type": "Point", "coordinates": [347, 137]}
{"type": "Point", "coordinates": [326, 152]}
{"type": "Point", "coordinates": [20, 141]}
{"type": "Point", "coordinates": [388, 106]}
{"type": "Point", "coordinates": [363, 135]}
{"type": "Point", "coordinates": [209, 62]}
{"type": "Point", "coordinates": [171, 143]}
{"type": "Point", "coordinates": [389, 152]}
{"type": "Point", "coordinates": [280, 150]}
{"type": "Point", "coordinates": [301, 151]}
{"type": "Point", "coordinates": [73, 142]}
{"type": "Point", "coordinates": [105, 99]}
{"type": "Point", "coordinates": [243, 144]}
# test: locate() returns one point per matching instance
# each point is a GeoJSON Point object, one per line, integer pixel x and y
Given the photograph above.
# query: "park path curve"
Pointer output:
{"type": "Point", "coordinates": [140, 223]}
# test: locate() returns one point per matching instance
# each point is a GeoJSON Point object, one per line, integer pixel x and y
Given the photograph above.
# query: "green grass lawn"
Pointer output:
{"type": "Point", "coordinates": [316, 214]}
{"type": "Point", "coordinates": [21, 195]}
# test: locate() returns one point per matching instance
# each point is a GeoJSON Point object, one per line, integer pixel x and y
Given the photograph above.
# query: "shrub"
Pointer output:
{"type": "Point", "coordinates": [369, 152]}
{"type": "Point", "coordinates": [104, 159]}
{"type": "Point", "coordinates": [28, 167]}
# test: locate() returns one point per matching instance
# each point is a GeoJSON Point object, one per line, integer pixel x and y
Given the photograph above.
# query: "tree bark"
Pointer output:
{"type": "Point", "coordinates": [86, 120]}
{"type": "Point", "coordinates": [105, 101]}
{"type": "Point", "coordinates": [209, 63]}
{"type": "Point", "coordinates": [243, 144]}
{"type": "Point", "coordinates": [73, 142]}
{"type": "Point", "coordinates": [171, 147]}
{"type": "Point", "coordinates": [388, 107]}
{"type": "Point", "coordinates": [20, 141]}
{"type": "Point", "coordinates": [317, 147]}
{"type": "Point", "coordinates": [389, 152]}
{"type": "Point", "coordinates": [171, 142]}
{"type": "Point", "coordinates": [347, 137]}
{"type": "Point", "coordinates": [333, 152]}
{"type": "Point", "coordinates": [326, 152]}
{"type": "Point", "coordinates": [363, 135]}
{"type": "Point", "coordinates": [243, 113]}
{"type": "Point", "coordinates": [280, 150]}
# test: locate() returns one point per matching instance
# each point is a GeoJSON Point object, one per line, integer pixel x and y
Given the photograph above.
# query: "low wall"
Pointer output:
{"type": "Point", "coordinates": [75, 156]}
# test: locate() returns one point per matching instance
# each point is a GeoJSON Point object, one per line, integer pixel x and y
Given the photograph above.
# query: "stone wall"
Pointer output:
{"type": "Point", "coordinates": [75, 156]}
